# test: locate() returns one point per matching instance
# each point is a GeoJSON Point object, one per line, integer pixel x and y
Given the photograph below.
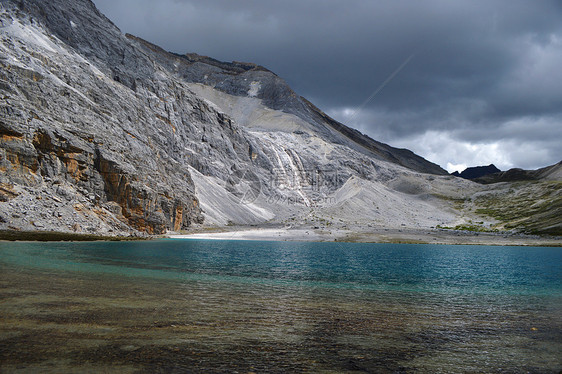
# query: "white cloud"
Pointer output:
{"type": "Point", "coordinates": [452, 168]}
{"type": "Point", "coordinates": [444, 149]}
{"type": "Point", "coordinates": [528, 142]}
{"type": "Point", "coordinates": [452, 153]}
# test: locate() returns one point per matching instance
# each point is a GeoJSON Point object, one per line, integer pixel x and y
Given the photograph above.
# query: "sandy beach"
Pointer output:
{"type": "Point", "coordinates": [259, 234]}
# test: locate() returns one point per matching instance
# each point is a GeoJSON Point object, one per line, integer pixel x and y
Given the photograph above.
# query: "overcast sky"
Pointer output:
{"type": "Point", "coordinates": [461, 83]}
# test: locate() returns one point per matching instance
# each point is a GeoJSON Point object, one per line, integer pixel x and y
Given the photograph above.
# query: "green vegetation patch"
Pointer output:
{"type": "Point", "coordinates": [529, 207]}
{"type": "Point", "coordinates": [469, 227]}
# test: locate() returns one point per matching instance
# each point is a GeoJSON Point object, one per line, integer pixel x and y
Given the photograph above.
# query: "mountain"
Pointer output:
{"type": "Point", "coordinates": [528, 201]}
{"type": "Point", "coordinates": [246, 79]}
{"type": "Point", "coordinates": [491, 174]}
{"type": "Point", "coordinates": [477, 172]}
{"type": "Point", "coordinates": [107, 134]}
{"type": "Point", "coordinates": [553, 172]}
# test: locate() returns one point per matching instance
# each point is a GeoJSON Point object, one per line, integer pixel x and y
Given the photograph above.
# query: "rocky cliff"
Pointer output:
{"type": "Point", "coordinates": [94, 136]}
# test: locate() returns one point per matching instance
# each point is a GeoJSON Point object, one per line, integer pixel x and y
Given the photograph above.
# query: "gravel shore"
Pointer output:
{"type": "Point", "coordinates": [373, 235]}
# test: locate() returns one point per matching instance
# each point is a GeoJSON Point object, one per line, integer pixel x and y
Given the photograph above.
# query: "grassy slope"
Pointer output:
{"type": "Point", "coordinates": [530, 207]}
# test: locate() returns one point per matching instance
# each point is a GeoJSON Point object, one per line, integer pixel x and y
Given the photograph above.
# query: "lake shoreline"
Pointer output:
{"type": "Point", "coordinates": [374, 235]}
{"type": "Point", "coordinates": [309, 234]}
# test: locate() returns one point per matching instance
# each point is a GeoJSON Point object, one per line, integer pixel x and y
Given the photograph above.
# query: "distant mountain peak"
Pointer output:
{"type": "Point", "coordinates": [477, 171]}
{"type": "Point", "coordinates": [552, 172]}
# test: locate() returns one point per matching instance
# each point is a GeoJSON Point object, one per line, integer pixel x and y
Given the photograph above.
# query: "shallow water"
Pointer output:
{"type": "Point", "coordinates": [246, 306]}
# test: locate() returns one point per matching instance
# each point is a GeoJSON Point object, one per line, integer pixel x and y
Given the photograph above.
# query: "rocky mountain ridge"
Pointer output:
{"type": "Point", "coordinates": [248, 79]}
{"type": "Point", "coordinates": [476, 171]}
{"type": "Point", "coordinates": [552, 172]}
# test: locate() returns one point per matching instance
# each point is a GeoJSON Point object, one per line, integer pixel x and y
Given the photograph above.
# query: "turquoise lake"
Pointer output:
{"type": "Point", "coordinates": [175, 306]}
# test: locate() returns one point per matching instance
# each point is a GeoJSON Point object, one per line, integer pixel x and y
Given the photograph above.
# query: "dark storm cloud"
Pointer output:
{"type": "Point", "coordinates": [483, 83]}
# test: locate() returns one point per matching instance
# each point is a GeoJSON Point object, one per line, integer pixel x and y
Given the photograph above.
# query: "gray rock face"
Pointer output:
{"type": "Point", "coordinates": [84, 111]}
